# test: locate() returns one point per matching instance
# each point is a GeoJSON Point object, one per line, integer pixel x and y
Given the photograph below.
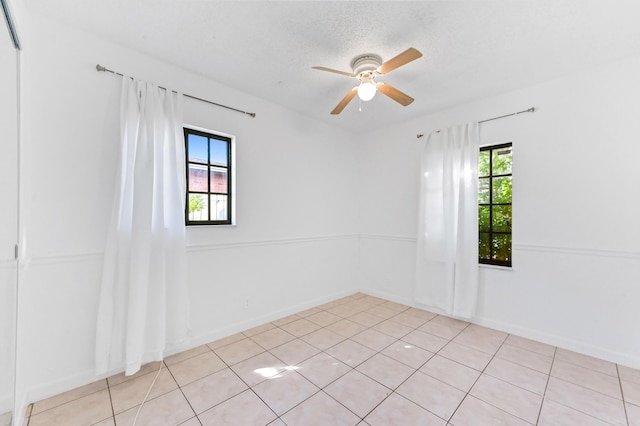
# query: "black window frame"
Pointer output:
{"type": "Point", "coordinates": [209, 165]}
{"type": "Point", "coordinates": [491, 204]}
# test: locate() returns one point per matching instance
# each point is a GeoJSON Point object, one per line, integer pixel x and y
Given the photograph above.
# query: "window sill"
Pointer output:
{"type": "Point", "coordinates": [495, 267]}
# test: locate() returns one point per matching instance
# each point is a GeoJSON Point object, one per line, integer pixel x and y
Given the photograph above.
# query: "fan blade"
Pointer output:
{"type": "Point", "coordinates": [343, 103]}
{"type": "Point", "coordinates": [348, 74]}
{"type": "Point", "coordinates": [405, 57]}
{"type": "Point", "coordinates": [395, 94]}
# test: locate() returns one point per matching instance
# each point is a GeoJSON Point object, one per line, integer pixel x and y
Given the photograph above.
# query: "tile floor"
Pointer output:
{"type": "Point", "coordinates": [361, 361]}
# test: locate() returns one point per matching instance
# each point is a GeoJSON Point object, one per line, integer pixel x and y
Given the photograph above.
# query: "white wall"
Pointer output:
{"type": "Point", "coordinates": [8, 214]}
{"type": "Point", "coordinates": [292, 247]}
{"type": "Point", "coordinates": [576, 234]}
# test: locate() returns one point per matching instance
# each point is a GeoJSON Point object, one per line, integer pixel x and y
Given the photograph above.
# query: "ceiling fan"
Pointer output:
{"type": "Point", "coordinates": [366, 68]}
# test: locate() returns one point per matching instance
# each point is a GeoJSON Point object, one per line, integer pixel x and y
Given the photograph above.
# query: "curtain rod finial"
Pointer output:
{"type": "Point", "coordinates": [100, 68]}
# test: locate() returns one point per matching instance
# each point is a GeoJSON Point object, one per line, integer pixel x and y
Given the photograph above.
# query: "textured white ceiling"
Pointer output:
{"type": "Point", "coordinates": [471, 49]}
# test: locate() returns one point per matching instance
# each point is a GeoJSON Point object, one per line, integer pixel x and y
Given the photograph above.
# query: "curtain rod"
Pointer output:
{"type": "Point", "coordinates": [532, 109]}
{"type": "Point", "coordinates": [252, 114]}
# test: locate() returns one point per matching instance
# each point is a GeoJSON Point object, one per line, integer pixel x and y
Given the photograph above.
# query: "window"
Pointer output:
{"type": "Point", "coordinates": [209, 175]}
{"type": "Point", "coordinates": [494, 205]}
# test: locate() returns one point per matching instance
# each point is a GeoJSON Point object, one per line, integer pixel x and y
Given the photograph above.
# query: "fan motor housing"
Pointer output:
{"type": "Point", "coordinates": [367, 62]}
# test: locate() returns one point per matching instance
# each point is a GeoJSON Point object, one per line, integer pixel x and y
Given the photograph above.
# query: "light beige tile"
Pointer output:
{"type": "Point", "coordinates": [426, 341]}
{"type": "Point", "coordinates": [320, 410]}
{"type": "Point", "coordinates": [322, 369]}
{"type": "Point", "coordinates": [393, 329]}
{"type": "Point", "coordinates": [366, 319]}
{"type": "Point", "coordinates": [308, 312]}
{"type": "Point", "coordinates": [300, 327]}
{"type": "Point", "coordinates": [132, 392]}
{"type": "Point", "coordinates": [294, 352]}
{"type": "Point", "coordinates": [343, 311]}
{"type": "Point", "coordinates": [421, 313]}
{"type": "Point", "coordinates": [147, 368]}
{"type": "Point", "coordinates": [585, 377]}
{"type": "Point", "coordinates": [239, 351]}
{"type": "Point", "coordinates": [531, 345]}
{"type": "Point", "coordinates": [286, 320]}
{"type": "Point", "coordinates": [397, 410]}
{"type": "Point", "coordinates": [357, 392]}
{"type": "Point", "coordinates": [323, 338]}
{"type": "Point", "coordinates": [69, 396]}
{"type": "Point", "coordinates": [350, 352]}
{"type": "Point", "coordinates": [586, 361]}
{"type": "Point", "coordinates": [346, 328]}
{"type": "Point", "coordinates": [465, 355]}
{"type": "Point", "coordinates": [195, 368]}
{"type": "Point", "coordinates": [272, 338]}
{"type": "Point", "coordinates": [455, 374]}
{"type": "Point", "coordinates": [259, 368]}
{"type": "Point", "coordinates": [407, 354]}
{"type": "Point", "coordinates": [450, 322]}
{"type": "Point", "coordinates": [213, 389]}
{"type": "Point", "coordinates": [512, 399]}
{"type": "Point", "coordinates": [190, 353]}
{"type": "Point", "coordinates": [382, 312]}
{"type": "Point", "coordinates": [169, 409]}
{"type": "Point", "coordinates": [193, 421]}
{"type": "Point", "coordinates": [385, 370]}
{"type": "Point", "coordinates": [285, 391]}
{"type": "Point", "coordinates": [226, 341]}
{"type": "Point", "coordinates": [481, 338]}
{"type": "Point", "coordinates": [373, 300]}
{"type": "Point", "coordinates": [554, 414]}
{"type": "Point", "coordinates": [106, 422]}
{"type": "Point", "coordinates": [590, 402]}
{"type": "Point", "coordinates": [408, 319]}
{"type": "Point", "coordinates": [85, 410]}
{"type": "Point", "coordinates": [518, 375]}
{"type": "Point", "coordinates": [439, 330]}
{"type": "Point", "coordinates": [441, 399]}
{"type": "Point", "coordinates": [473, 412]}
{"type": "Point", "coordinates": [373, 339]}
{"type": "Point", "coordinates": [526, 358]}
{"type": "Point", "coordinates": [631, 392]}
{"type": "Point", "coordinates": [633, 414]}
{"type": "Point", "coordinates": [324, 318]}
{"type": "Point", "coordinates": [629, 374]}
{"type": "Point", "coordinates": [243, 409]}
{"type": "Point", "coordinates": [259, 329]}
{"type": "Point", "coordinates": [398, 307]}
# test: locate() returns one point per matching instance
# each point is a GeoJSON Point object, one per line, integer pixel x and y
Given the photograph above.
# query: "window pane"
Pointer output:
{"type": "Point", "coordinates": [484, 249]}
{"type": "Point", "coordinates": [483, 190]}
{"type": "Point", "coordinates": [198, 178]}
{"type": "Point", "coordinates": [502, 218]}
{"type": "Point", "coordinates": [198, 207]}
{"type": "Point", "coordinates": [502, 247]}
{"type": "Point", "coordinates": [502, 161]}
{"type": "Point", "coordinates": [197, 147]}
{"type": "Point", "coordinates": [484, 224]}
{"type": "Point", "coordinates": [218, 152]}
{"type": "Point", "coordinates": [218, 207]}
{"type": "Point", "coordinates": [218, 180]}
{"type": "Point", "coordinates": [483, 163]}
{"type": "Point", "coordinates": [502, 189]}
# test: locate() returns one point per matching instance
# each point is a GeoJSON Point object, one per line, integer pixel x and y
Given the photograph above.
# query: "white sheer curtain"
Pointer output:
{"type": "Point", "coordinates": [447, 251]}
{"type": "Point", "coordinates": [143, 300]}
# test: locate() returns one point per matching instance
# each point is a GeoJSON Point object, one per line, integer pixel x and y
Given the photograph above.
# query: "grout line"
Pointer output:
{"type": "Point", "coordinates": [546, 386]}
{"type": "Point", "coordinates": [624, 406]}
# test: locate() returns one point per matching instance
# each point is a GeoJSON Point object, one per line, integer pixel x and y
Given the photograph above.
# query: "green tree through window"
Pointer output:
{"type": "Point", "coordinates": [494, 204]}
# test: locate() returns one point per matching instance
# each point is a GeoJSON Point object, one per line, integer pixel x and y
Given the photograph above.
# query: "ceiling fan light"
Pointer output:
{"type": "Point", "coordinates": [366, 91]}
